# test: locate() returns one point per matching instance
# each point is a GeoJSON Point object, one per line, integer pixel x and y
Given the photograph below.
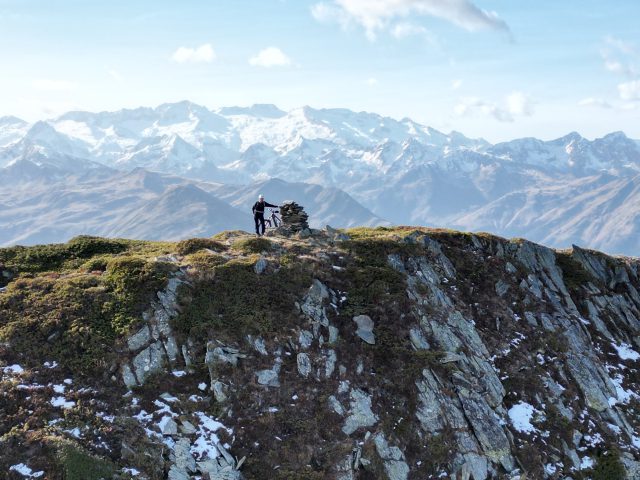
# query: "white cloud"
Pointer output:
{"type": "Point", "coordinates": [622, 45]}
{"type": "Point", "coordinates": [202, 54]}
{"type": "Point", "coordinates": [49, 85]}
{"type": "Point", "coordinates": [403, 30]}
{"type": "Point", "coordinates": [376, 16]}
{"type": "Point", "coordinates": [620, 57]}
{"type": "Point", "coordinates": [372, 82]}
{"type": "Point", "coordinates": [270, 57]}
{"type": "Point", "coordinates": [629, 91]}
{"type": "Point", "coordinates": [325, 12]}
{"type": "Point", "coordinates": [594, 102]}
{"type": "Point", "coordinates": [516, 104]}
{"type": "Point", "coordinates": [456, 84]}
{"type": "Point", "coordinates": [519, 103]}
{"type": "Point", "coordinates": [117, 76]}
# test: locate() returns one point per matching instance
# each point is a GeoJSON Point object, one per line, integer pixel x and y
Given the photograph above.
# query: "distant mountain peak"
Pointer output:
{"type": "Point", "coordinates": [11, 120]}
{"type": "Point", "coordinates": [261, 110]}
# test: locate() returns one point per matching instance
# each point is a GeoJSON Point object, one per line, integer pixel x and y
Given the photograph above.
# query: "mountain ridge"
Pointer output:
{"type": "Point", "coordinates": [404, 172]}
{"type": "Point", "coordinates": [389, 353]}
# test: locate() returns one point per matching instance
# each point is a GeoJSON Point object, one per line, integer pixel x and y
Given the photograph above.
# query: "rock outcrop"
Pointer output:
{"type": "Point", "coordinates": [387, 353]}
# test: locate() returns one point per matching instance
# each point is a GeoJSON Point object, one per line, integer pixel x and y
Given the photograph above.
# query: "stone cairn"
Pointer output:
{"type": "Point", "coordinates": [294, 218]}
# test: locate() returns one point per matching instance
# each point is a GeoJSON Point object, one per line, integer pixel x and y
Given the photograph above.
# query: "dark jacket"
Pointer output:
{"type": "Point", "coordinates": [258, 207]}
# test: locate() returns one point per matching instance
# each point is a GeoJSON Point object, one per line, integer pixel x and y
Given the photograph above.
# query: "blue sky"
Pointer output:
{"type": "Point", "coordinates": [496, 69]}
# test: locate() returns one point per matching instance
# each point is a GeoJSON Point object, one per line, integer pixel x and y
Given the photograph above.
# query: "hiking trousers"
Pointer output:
{"type": "Point", "coordinates": [258, 218]}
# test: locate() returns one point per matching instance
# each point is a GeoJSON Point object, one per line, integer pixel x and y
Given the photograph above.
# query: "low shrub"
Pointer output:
{"type": "Point", "coordinates": [192, 245]}
{"type": "Point", "coordinates": [78, 464]}
{"type": "Point", "coordinates": [253, 245]}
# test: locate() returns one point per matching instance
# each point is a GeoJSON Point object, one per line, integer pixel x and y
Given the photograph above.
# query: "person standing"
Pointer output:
{"type": "Point", "coordinates": [258, 214]}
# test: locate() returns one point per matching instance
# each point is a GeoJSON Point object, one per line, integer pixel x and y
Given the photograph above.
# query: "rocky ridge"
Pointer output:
{"type": "Point", "coordinates": [373, 353]}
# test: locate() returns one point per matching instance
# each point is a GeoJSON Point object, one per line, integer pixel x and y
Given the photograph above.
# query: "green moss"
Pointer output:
{"type": "Point", "coordinates": [362, 233]}
{"type": "Point", "coordinates": [253, 245]}
{"type": "Point", "coordinates": [574, 274]}
{"type": "Point", "coordinates": [96, 264]}
{"type": "Point", "coordinates": [608, 466]}
{"type": "Point", "coordinates": [305, 474]}
{"type": "Point", "coordinates": [78, 464]}
{"type": "Point", "coordinates": [73, 254]}
{"type": "Point", "coordinates": [133, 282]}
{"type": "Point", "coordinates": [76, 319]}
{"type": "Point", "coordinates": [228, 234]}
{"type": "Point", "coordinates": [205, 261]}
{"type": "Point", "coordinates": [237, 301]}
{"type": "Point", "coordinates": [370, 280]}
{"type": "Point", "coordinates": [558, 424]}
{"type": "Point", "coordinates": [193, 245]}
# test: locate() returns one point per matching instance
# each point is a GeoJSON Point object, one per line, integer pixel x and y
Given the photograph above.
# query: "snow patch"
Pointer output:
{"type": "Point", "coordinates": [25, 471]}
{"type": "Point", "coordinates": [206, 445]}
{"type": "Point", "coordinates": [62, 403]}
{"type": "Point", "coordinates": [13, 370]}
{"type": "Point", "coordinates": [520, 416]}
{"type": "Point", "coordinates": [625, 352]}
{"type": "Point", "coordinates": [75, 432]}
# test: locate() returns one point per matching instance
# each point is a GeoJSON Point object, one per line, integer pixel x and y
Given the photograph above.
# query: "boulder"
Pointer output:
{"type": "Point", "coordinates": [365, 328]}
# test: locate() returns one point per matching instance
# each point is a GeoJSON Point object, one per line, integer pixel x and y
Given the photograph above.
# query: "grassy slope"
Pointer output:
{"type": "Point", "coordinates": [75, 303]}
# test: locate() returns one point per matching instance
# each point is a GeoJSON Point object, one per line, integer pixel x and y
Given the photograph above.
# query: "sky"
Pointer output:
{"type": "Point", "coordinates": [487, 68]}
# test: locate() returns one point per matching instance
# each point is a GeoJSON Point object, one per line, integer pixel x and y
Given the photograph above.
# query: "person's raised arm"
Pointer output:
{"type": "Point", "coordinates": [271, 206]}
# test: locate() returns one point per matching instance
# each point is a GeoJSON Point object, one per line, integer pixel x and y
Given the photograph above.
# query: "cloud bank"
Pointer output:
{"type": "Point", "coordinates": [381, 15]}
{"type": "Point", "coordinates": [202, 54]}
{"type": "Point", "coordinates": [270, 57]}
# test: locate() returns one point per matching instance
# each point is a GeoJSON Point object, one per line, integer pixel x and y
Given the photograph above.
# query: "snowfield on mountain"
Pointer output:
{"type": "Point", "coordinates": [566, 191]}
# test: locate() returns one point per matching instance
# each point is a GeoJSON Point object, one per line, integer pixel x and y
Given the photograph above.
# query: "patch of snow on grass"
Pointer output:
{"type": "Point", "coordinates": [25, 471]}
{"type": "Point", "coordinates": [205, 446]}
{"type": "Point", "coordinates": [624, 396]}
{"type": "Point", "coordinates": [62, 403]}
{"type": "Point", "coordinates": [586, 462]}
{"type": "Point", "coordinates": [625, 352]}
{"type": "Point", "coordinates": [74, 432]}
{"type": "Point", "coordinates": [13, 370]}
{"type": "Point", "coordinates": [520, 416]}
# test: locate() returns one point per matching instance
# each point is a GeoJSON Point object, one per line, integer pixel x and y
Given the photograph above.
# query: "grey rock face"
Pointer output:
{"type": "Point", "coordinates": [418, 340]}
{"type": "Point", "coordinates": [304, 364]}
{"type": "Point", "coordinates": [365, 328]}
{"type": "Point", "coordinates": [312, 304]}
{"type": "Point", "coordinates": [501, 288]}
{"type": "Point", "coordinates": [305, 339]}
{"type": "Point", "coordinates": [360, 413]}
{"type": "Point", "coordinates": [168, 426]}
{"type": "Point", "coordinates": [184, 463]}
{"type": "Point", "coordinates": [140, 339]}
{"type": "Point", "coordinates": [260, 266]}
{"type": "Point", "coordinates": [154, 343]}
{"type": "Point", "coordinates": [217, 353]}
{"type": "Point", "coordinates": [269, 378]}
{"type": "Point", "coordinates": [148, 361]}
{"type": "Point", "coordinates": [394, 462]}
{"type": "Point", "coordinates": [330, 363]}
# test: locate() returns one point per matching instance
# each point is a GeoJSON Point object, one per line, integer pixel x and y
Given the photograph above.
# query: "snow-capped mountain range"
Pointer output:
{"type": "Point", "coordinates": [351, 167]}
